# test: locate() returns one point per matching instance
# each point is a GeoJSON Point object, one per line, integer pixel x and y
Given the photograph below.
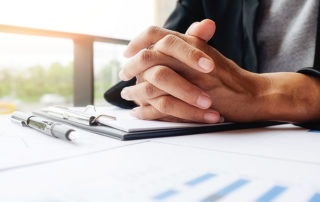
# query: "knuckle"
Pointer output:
{"type": "Point", "coordinates": [164, 104]}
{"type": "Point", "coordinates": [149, 90]}
{"type": "Point", "coordinates": [160, 75]}
{"type": "Point", "coordinates": [152, 30]}
{"type": "Point", "coordinates": [194, 54]}
{"type": "Point", "coordinates": [199, 44]}
{"type": "Point", "coordinates": [169, 41]}
{"type": "Point", "coordinates": [146, 56]}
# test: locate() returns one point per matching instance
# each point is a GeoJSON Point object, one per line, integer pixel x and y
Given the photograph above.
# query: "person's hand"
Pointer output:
{"type": "Point", "coordinates": [145, 93]}
{"type": "Point", "coordinates": [171, 81]}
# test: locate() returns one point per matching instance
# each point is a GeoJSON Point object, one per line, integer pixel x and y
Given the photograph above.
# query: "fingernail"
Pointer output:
{"type": "Point", "coordinates": [206, 64]}
{"type": "Point", "coordinates": [204, 101]}
{"type": "Point", "coordinates": [211, 117]}
{"type": "Point", "coordinates": [125, 94]}
{"type": "Point", "coordinates": [122, 76]}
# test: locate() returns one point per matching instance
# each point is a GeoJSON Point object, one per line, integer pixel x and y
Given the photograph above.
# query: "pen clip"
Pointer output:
{"type": "Point", "coordinates": [20, 118]}
{"type": "Point", "coordinates": [71, 115]}
{"type": "Point", "coordinates": [88, 116]}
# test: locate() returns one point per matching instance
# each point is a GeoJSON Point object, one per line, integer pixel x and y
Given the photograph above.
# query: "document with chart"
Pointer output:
{"type": "Point", "coordinates": [194, 168]}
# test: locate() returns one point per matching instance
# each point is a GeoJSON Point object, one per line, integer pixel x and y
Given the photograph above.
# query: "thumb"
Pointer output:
{"type": "Point", "coordinates": [203, 30]}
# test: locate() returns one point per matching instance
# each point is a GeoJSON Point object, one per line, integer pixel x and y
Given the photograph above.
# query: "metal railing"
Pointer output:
{"type": "Point", "coordinates": [83, 73]}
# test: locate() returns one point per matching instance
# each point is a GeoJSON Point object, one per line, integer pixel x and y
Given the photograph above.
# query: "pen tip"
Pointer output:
{"type": "Point", "coordinates": [73, 135]}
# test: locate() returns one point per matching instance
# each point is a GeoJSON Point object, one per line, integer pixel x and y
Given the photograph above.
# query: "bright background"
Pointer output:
{"type": "Point", "coordinates": [36, 71]}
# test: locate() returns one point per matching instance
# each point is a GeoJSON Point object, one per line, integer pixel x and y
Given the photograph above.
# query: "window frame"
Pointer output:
{"type": "Point", "coordinates": [83, 70]}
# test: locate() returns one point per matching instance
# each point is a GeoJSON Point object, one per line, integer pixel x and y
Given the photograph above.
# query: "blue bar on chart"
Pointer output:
{"type": "Point", "coordinates": [315, 198]}
{"type": "Point", "coordinates": [200, 179]}
{"type": "Point", "coordinates": [165, 195]}
{"type": "Point", "coordinates": [226, 190]}
{"type": "Point", "coordinates": [271, 194]}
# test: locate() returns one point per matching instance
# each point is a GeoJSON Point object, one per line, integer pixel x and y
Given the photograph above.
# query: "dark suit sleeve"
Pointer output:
{"type": "Point", "coordinates": [185, 13]}
{"type": "Point", "coordinates": [113, 95]}
{"type": "Point", "coordinates": [314, 72]}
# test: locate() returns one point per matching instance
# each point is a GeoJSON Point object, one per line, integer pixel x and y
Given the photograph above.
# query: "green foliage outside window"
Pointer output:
{"type": "Point", "coordinates": [31, 83]}
{"type": "Point", "coordinates": [106, 77]}
{"type": "Point", "coordinates": [28, 85]}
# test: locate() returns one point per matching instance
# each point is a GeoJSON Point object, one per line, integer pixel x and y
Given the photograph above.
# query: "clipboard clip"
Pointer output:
{"type": "Point", "coordinates": [92, 109]}
{"type": "Point", "coordinates": [85, 117]}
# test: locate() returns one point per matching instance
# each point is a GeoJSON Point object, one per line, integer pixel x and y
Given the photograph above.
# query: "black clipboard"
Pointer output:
{"type": "Point", "coordinates": [121, 135]}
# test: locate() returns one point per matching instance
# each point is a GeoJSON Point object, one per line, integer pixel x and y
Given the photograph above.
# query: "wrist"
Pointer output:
{"type": "Point", "coordinates": [292, 97]}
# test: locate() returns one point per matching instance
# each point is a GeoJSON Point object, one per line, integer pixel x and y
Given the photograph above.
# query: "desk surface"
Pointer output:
{"type": "Point", "coordinates": [279, 162]}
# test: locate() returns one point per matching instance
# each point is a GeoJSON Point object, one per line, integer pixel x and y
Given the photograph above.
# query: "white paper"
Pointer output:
{"type": "Point", "coordinates": [141, 172]}
{"type": "Point", "coordinates": [287, 142]}
{"type": "Point", "coordinates": [21, 146]}
{"type": "Point", "coordinates": [35, 167]}
{"type": "Point", "coordinates": [124, 121]}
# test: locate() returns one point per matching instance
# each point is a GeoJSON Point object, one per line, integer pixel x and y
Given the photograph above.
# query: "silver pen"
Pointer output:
{"type": "Point", "coordinates": [47, 127]}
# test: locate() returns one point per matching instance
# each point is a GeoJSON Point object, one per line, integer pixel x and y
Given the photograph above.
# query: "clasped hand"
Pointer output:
{"type": "Point", "coordinates": [181, 78]}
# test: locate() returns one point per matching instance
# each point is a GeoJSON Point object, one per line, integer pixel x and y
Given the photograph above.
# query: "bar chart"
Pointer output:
{"type": "Point", "coordinates": [225, 192]}
{"type": "Point", "coordinates": [241, 168]}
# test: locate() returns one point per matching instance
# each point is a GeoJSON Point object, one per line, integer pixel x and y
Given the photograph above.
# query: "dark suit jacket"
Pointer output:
{"type": "Point", "coordinates": [235, 35]}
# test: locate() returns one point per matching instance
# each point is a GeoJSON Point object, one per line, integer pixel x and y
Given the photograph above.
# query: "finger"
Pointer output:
{"type": "Point", "coordinates": [147, 38]}
{"type": "Point", "coordinates": [203, 30]}
{"type": "Point", "coordinates": [174, 107]}
{"type": "Point", "coordinates": [147, 113]}
{"type": "Point", "coordinates": [142, 91]}
{"type": "Point", "coordinates": [176, 47]}
{"type": "Point", "coordinates": [150, 113]}
{"type": "Point", "coordinates": [171, 82]}
{"type": "Point", "coordinates": [142, 61]}
{"type": "Point", "coordinates": [149, 58]}
{"type": "Point", "coordinates": [174, 119]}
{"type": "Point", "coordinates": [146, 59]}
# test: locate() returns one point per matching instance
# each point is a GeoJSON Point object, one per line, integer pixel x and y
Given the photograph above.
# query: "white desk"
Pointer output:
{"type": "Point", "coordinates": [280, 163]}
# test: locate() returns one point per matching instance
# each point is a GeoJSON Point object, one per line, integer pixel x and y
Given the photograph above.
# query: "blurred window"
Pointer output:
{"type": "Point", "coordinates": [37, 71]}
{"type": "Point", "coordinates": [108, 61]}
